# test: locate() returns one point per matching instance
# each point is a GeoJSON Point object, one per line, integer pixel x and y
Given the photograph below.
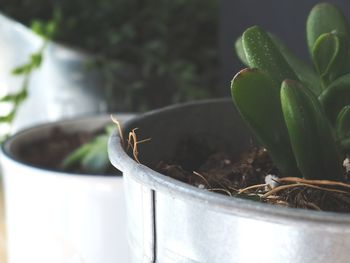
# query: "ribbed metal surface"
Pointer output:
{"type": "Point", "coordinates": [186, 224]}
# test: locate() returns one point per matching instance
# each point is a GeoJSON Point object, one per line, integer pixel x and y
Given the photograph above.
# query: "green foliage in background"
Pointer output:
{"type": "Point", "coordinates": [152, 53]}
{"type": "Point", "coordinates": [301, 114]}
{"type": "Point", "coordinates": [47, 31]}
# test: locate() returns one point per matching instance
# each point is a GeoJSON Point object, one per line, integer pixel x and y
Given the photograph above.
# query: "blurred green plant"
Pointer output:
{"type": "Point", "coordinates": [299, 113]}
{"type": "Point", "coordinates": [47, 31]}
{"type": "Point", "coordinates": [91, 157]}
{"type": "Point", "coordinates": [152, 53]}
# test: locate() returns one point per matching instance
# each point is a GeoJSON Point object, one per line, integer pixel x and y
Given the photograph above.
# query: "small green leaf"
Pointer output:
{"type": "Point", "coordinates": [38, 27]}
{"type": "Point", "coordinates": [261, 53]}
{"type": "Point", "coordinates": [8, 98]}
{"type": "Point", "coordinates": [21, 70]}
{"type": "Point", "coordinates": [240, 51]}
{"type": "Point", "coordinates": [16, 98]}
{"type": "Point", "coordinates": [36, 60]}
{"type": "Point", "coordinates": [257, 99]}
{"type": "Point", "coordinates": [310, 133]}
{"type": "Point", "coordinates": [336, 97]}
{"type": "Point", "coordinates": [342, 126]}
{"type": "Point", "coordinates": [325, 18]}
{"type": "Point", "coordinates": [8, 118]}
{"type": "Point", "coordinates": [328, 56]}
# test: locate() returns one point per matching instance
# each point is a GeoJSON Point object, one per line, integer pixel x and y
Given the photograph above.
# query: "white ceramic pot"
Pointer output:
{"type": "Point", "coordinates": [61, 88]}
{"type": "Point", "coordinates": [56, 217]}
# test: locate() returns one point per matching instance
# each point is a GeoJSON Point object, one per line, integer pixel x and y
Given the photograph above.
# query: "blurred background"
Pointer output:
{"type": "Point", "coordinates": [62, 58]}
{"type": "Point", "coordinates": [149, 53]}
{"type": "Point", "coordinates": [141, 54]}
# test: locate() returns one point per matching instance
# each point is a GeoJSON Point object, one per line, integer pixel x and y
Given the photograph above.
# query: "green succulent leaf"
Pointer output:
{"type": "Point", "coordinates": [342, 126]}
{"type": "Point", "coordinates": [257, 99]}
{"type": "Point", "coordinates": [262, 53]}
{"type": "Point", "coordinates": [304, 72]}
{"type": "Point", "coordinates": [336, 97]}
{"type": "Point", "coordinates": [328, 56]}
{"type": "Point", "coordinates": [325, 18]}
{"type": "Point", "coordinates": [310, 133]}
{"type": "Point", "coordinates": [240, 51]}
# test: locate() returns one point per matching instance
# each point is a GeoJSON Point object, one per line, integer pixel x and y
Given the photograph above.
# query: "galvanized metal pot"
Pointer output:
{"type": "Point", "coordinates": [60, 217]}
{"type": "Point", "coordinates": [62, 87]}
{"type": "Point", "coordinates": [170, 221]}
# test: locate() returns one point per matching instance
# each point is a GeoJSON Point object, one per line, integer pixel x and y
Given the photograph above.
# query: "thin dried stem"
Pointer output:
{"type": "Point", "coordinates": [313, 206]}
{"type": "Point", "coordinates": [314, 182]}
{"type": "Point", "coordinates": [120, 130]}
{"type": "Point", "coordinates": [253, 187]}
{"type": "Point", "coordinates": [133, 142]}
{"type": "Point", "coordinates": [203, 178]}
{"type": "Point", "coordinates": [284, 187]}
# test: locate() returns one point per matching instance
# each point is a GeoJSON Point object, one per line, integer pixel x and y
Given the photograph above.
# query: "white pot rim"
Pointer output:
{"type": "Point", "coordinates": [9, 156]}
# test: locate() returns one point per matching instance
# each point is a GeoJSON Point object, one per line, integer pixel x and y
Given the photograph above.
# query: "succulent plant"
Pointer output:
{"type": "Point", "coordinates": [299, 113]}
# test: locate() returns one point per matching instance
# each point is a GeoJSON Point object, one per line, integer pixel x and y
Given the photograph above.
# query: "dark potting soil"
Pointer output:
{"type": "Point", "coordinates": [252, 175]}
{"type": "Point", "coordinates": [50, 151]}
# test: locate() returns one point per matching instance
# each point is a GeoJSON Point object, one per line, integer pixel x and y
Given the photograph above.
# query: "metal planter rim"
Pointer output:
{"type": "Point", "coordinates": [250, 209]}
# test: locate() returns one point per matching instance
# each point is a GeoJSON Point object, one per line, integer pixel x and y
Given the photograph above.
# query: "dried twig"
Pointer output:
{"type": "Point", "coordinates": [284, 187]}
{"type": "Point", "coordinates": [203, 178]}
{"type": "Point", "coordinates": [252, 187]}
{"type": "Point", "coordinates": [313, 182]}
{"type": "Point", "coordinates": [133, 142]}
{"type": "Point", "coordinates": [120, 130]}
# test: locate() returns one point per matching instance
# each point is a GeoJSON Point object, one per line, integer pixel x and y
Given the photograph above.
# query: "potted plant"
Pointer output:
{"type": "Point", "coordinates": [57, 209]}
{"type": "Point", "coordinates": [129, 54]}
{"type": "Point", "coordinates": [298, 115]}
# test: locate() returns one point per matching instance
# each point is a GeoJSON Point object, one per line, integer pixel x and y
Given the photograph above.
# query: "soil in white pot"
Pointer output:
{"type": "Point", "coordinates": [50, 151]}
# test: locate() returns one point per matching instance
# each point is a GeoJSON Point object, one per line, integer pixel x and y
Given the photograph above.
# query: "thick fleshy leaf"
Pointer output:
{"type": "Point", "coordinates": [336, 97]}
{"type": "Point", "coordinates": [240, 51]}
{"type": "Point", "coordinates": [310, 133]}
{"type": "Point", "coordinates": [342, 126]}
{"type": "Point", "coordinates": [262, 53]}
{"type": "Point", "coordinates": [257, 99]}
{"type": "Point", "coordinates": [304, 72]}
{"type": "Point", "coordinates": [325, 18]}
{"type": "Point", "coordinates": [328, 56]}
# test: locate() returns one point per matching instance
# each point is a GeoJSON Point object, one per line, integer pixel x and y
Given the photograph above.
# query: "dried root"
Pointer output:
{"type": "Point", "coordinates": [120, 130]}
{"type": "Point", "coordinates": [310, 194]}
{"type": "Point", "coordinates": [132, 141]}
